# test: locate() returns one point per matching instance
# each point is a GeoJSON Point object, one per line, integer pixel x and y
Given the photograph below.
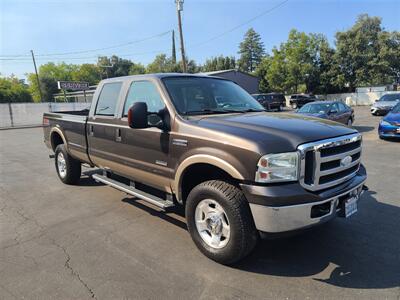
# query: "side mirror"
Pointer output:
{"type": "Point", "coordinates": [137, 116]}
{"type": "Point", "coordinates": [333, 111]}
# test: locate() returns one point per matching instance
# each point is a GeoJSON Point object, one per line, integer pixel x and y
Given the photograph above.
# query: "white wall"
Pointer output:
{"type": "Point", "coordinates": [354, 99]}
{"type": "Point", "coordinates": [30, 114]}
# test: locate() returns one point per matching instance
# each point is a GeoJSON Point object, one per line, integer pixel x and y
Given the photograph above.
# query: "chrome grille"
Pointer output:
{"type": "Point", "coordinates": [327, 163]}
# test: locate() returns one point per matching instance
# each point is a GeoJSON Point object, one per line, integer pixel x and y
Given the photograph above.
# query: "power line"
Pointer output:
{"type": "Point", "coordinates": [93, 50]}
{"type": "Point", "coordinates": [240, 25]}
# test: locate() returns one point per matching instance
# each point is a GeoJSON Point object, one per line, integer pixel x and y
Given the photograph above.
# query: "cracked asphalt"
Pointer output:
{"type": "Point", "coordinates": [92, 241]}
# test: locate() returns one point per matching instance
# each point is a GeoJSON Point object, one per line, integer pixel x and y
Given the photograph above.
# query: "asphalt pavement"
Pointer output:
{"type": "Point", "coordinates": [92, 241]}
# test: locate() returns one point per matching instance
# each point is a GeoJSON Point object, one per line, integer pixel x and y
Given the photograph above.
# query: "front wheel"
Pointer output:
{"type": "Point", "coordinates": [220, 222]}
{"type": "Point", "coordinates": [68, 168]}
{"type": "Point", "coordinates": [294, 105]}
{"type": "Point", "coordinates": [349, 122]}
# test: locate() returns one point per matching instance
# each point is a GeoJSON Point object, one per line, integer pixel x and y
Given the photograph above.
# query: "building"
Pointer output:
{"type": "Point", "coordinates": [247, 81]}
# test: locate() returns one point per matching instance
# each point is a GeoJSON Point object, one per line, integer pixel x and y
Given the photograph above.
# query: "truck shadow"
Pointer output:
{"type": "Point", "coordinates": [360, 252]}
{"type": "Point", "coordinates": [362, 129]}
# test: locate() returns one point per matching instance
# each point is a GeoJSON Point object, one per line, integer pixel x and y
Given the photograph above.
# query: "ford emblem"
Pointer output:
{"type": "Point", "coordinates": [345, 161]}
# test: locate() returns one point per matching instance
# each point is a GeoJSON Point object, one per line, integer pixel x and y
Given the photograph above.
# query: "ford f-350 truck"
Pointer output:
{"type": "Point", "coordinates": [204, 143]}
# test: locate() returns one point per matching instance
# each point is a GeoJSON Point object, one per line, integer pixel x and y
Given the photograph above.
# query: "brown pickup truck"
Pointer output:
{"type": "Point", "coordinates": [203, 142]}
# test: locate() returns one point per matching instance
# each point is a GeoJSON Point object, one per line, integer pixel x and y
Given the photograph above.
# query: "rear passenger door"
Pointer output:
{"type": "Point", "coordinates": [102, 125]}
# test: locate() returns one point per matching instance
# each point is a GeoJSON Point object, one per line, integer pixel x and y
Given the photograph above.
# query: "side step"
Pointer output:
{"type": "Point", "coordinates": [164, 204]}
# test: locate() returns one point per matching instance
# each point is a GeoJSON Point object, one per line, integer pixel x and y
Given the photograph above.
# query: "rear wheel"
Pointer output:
{"type": "Point", "coordinates": [350, 122]}
{"type": "Point", "coordinates": [280, 107]}
{"type": "Point", "coordinates": [68, 168]}
{"type": "Point", "coordinates": [220, 222]}
{"type": "Point", "coordinates": [294, 105]}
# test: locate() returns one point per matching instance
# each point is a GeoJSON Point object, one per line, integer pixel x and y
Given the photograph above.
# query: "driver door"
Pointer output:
{"type": "Point", "coordinates": [144, 153]}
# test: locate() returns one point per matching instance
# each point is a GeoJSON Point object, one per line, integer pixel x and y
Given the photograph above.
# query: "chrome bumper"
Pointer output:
{"type": "Point", "coordinates": [287, 218]}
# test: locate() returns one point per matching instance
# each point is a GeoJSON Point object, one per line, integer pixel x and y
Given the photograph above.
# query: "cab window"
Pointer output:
{"type": "Point", "coordinates": [108, 99]}
{"type": "Point", "coordinates": [144, 91]}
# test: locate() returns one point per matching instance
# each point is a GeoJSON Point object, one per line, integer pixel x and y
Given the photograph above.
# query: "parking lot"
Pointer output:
{"type": "Point", "coordinates": [92, 241]}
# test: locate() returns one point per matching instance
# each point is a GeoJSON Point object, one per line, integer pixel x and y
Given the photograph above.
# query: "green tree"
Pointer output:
{"type": "Point", "coordinates": [87, 72]}
{"type": "Point", "coordinates": [114, 66]}
{"type": "Point", "coordinates": [13, 90]}
{"type": "Point", "coordinates": [219, 63]}
{"type": "Point", "coordinates": [367, 54]}
{"type": "Point", "coordinates": [163, 64]}
{"type": "Point", "coordinates": [136, 69]}
{"type": "Point", "coordinates": [251, 51]}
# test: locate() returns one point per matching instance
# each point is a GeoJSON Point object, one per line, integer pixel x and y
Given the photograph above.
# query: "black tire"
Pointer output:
{"type": "Point", "coordinates": [243, 234]}
{"type": "Point", "coordinates": [280, 107]}
{"type": "Point", "coordinates": [72, 168]}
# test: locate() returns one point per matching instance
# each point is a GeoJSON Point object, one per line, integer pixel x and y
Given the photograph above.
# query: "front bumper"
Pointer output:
{"type": "Point", "coordinates": [294, 210]}
{"type": "Point", "coordinates": [380, 110]}
{"type": "Point", "coordinates": [390, 131]}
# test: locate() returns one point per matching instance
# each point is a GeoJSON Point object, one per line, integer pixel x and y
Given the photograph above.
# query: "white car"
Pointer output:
{"type": "Point", "coordinates": [385, 104]}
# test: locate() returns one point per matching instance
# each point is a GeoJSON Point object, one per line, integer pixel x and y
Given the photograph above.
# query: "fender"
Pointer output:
{"type": "Point", "coordinates": [60, 132]}
{"type": "Point", "coordinates": [205, 159]}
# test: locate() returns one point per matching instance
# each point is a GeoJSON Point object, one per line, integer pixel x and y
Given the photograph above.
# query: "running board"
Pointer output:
{"type": "Point", "coordinates": [164, 204]}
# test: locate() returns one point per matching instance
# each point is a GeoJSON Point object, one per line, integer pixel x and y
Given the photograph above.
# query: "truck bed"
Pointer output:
{"type": "Point", "coordinates": [71, 125]}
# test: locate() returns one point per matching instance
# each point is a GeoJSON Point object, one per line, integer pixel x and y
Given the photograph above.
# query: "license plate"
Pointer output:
{"type": "Point", "coordinates": [350, 206]}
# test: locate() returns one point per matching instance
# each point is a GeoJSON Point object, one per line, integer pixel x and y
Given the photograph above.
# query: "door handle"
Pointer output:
{"type": "Point", "coordinates": [118, 137]}
{"type": "Point", "coordinates": [91, 132]}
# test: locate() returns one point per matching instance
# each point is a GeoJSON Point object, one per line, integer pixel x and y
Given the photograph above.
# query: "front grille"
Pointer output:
{"type": "Point", "coordinates": [323, 163]}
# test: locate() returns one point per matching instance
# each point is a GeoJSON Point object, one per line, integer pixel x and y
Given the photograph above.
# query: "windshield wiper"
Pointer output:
{"type": "Point", "coordinates": [209, 111]}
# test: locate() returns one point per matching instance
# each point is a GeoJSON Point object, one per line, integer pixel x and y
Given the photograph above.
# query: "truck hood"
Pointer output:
{"type": "Point", "coordinates": [274, 132]}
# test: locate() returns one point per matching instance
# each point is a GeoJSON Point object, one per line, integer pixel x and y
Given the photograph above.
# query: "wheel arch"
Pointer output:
{"type": "Point", "coordinates": [216, 166]}
{"type": "Point", "coordinates": [57, 137]}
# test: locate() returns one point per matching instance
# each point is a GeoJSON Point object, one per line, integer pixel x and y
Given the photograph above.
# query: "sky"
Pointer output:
{"type": "Point", "coordinates": [139, 30]}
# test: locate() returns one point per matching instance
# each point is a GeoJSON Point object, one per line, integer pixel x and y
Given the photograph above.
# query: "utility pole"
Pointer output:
{"type": "Point", "coordinates": [173, 47]}
{"type": "Point", "coordinates": [37, 77]}
{"type": "Point", "coordinates": [179, 8]}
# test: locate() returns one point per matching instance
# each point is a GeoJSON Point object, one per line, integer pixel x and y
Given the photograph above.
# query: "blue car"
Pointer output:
{"type": "Point", "coordinates": [389, 127]}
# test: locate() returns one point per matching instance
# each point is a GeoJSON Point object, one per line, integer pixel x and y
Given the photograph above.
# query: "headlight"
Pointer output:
{"type": "Point", "coordinates": [278, 167]}
{"type": "Point", "coordinates": [384, 123]}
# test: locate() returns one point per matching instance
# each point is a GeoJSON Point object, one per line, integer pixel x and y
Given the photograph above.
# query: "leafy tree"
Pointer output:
{"type": "Point", "coordinates": [114, 66]}
{"type": "Point", "coordinates": [367, 54]}
{"type": "Point", "coordinates": [251, 51]}
{"type": "Point", "coordinates": [87, 72]}
{"type": "Point", "coordinates": [13, 90]}
{"type": "Point", "coordinates": [163, 64]}
{"type": "Point", "coordinates": [137, 69]}
{"type": "Point", "coordinates": [219, 63]}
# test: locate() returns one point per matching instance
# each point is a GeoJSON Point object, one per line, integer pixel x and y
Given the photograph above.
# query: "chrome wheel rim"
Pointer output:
{"type": "Point", "coordinates": [212, 223]}
{"type": "Point", "coordinates": [61, 165]}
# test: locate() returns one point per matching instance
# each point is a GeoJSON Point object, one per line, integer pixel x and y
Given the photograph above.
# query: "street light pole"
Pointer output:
{"type": "Point", "coordinates": [179, 8]}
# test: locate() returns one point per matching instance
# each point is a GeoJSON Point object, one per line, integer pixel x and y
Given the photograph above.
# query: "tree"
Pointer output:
{"type": "Point", "coordinates": [251, 51]}
{"type": "Point", "coordinates": [367, 54]}
{"type": "Point", "coordinates": [136, 69]}
{"type": "Point", "coordinates": [162, 64]}
{"type": "Point", "coordinates": [13, 90]}
{"type": "Point", "coordinates": [219, 63]}
{"type": "Point", "coordinates": [87, 72]}
{"type": "Point", "coordinates": [114, 66]}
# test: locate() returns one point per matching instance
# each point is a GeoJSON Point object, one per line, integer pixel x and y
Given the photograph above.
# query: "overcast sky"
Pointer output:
{"type": "Point", "coordinates": [53, 27]}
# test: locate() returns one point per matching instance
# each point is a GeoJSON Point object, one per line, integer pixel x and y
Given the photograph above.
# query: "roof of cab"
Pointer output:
{"type": "Point", "coordinates": [159, 76]}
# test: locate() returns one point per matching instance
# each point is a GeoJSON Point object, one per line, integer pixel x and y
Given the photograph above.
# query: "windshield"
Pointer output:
{"type": "Point", "coordinates": [198, 95]}
{"type": "Point", "coordinates": [313, 108]}
{"type": "Point", "coordinates": [390, 97]}
{"type": "Point", "coordinates": [396, 109]}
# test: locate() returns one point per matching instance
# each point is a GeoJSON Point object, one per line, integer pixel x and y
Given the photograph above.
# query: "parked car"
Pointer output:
{"type": "Point", "coordinates": [205, 144]}
{"type": "Point", "coordinates": [271, 100]}
{"type": "Point", "coordinates": [298, 100]}
{"type": "Point", "coordinates": [333, 110]}
{"type": "Point", "coordinates": [389, 127]}
{"type": "Point", "coordinates": [385, 104]}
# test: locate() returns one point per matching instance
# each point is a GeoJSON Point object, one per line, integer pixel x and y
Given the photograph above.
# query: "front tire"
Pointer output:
{"type": "Point", "coordinates": [220, 222]}
{"type": "Point", "coordinates": [68, 168]}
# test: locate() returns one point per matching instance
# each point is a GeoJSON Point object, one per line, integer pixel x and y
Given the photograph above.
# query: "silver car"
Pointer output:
{"type": "Point", "coordinates": [385, 104]}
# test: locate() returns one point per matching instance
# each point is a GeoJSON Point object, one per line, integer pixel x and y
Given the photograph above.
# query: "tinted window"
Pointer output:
{"type": "Point", "coordinates": [396, 109]}
{"type": "Point", "coordinates": [342, 107]}
{"type": "Point", "coordinates": [335, 106]}
{"type": "Point", "coordinates": [144, 91]}
{"type": "Point", "coordinates": [315, 108]}
{"type": "Point", "coordinates": [390, 97]}
{"type": "Point", "coordinates": [108, 99]}
{"type": "Point", "coordinates": [195, 95]}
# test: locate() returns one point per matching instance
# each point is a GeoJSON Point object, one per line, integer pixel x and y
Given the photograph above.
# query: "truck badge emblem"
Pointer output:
{"type": "Point", "coordinates": [345, 161]}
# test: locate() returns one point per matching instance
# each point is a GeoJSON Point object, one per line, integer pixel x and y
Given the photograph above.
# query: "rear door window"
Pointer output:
{"type": "Point", "coordinates": [108, 99]}
{"type": "Point", "coordinates": [342, 107]}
